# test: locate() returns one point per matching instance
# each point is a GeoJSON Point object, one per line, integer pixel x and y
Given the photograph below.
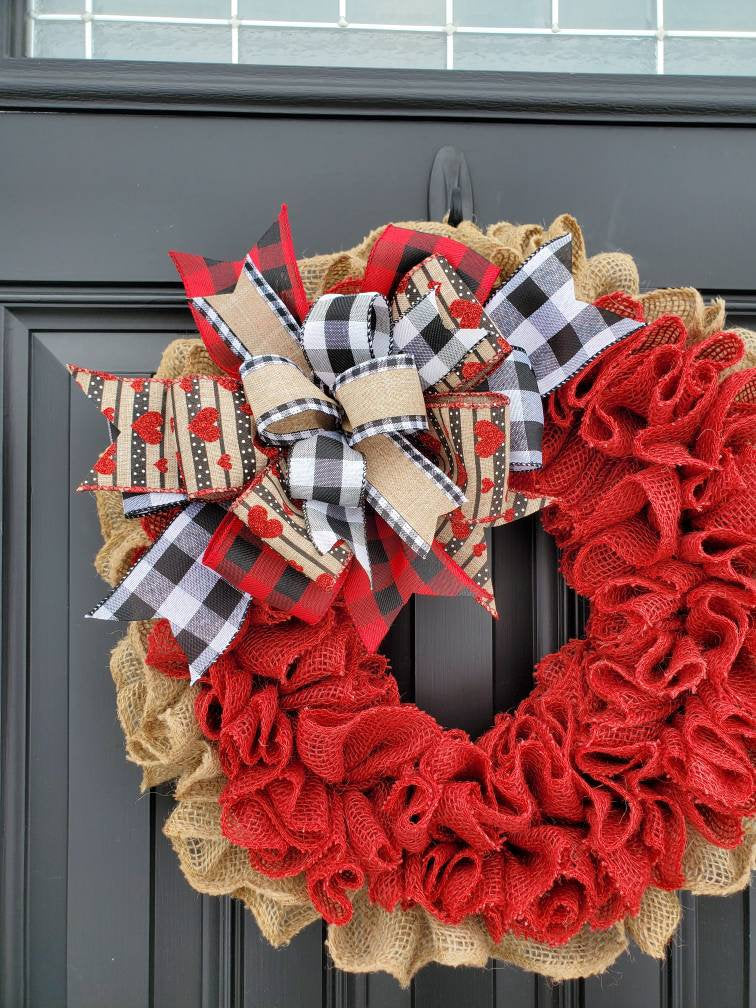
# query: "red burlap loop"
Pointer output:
{"type": "Point", "coordinates": [568, 809]}
{"type": "Point", "coordinates": [365, 747]}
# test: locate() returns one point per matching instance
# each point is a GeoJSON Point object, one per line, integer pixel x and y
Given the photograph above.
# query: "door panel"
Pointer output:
{"type": "Point", "coordinates": [95, 910]}
{"type": "Point", "coordinates": [120, 191]}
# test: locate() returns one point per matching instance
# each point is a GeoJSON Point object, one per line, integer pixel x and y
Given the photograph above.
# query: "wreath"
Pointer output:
{"type": "Point", "coordinates": [261, 520]}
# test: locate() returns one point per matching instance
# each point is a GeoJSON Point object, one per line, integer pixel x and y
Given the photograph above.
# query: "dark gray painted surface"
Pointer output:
{"type": "Point", "coordinates": [130, 187]}
{"type": "Point", "coordinates": [95, 911]}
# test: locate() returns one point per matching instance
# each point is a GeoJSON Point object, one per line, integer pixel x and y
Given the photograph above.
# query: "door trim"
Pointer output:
{"type": "Point", "coordinates": [191, 88]}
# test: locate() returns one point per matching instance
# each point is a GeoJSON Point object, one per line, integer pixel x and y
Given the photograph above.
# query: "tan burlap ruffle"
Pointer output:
{"type": "Point", "coordinates": [505, 244]}
{"type": "Point", "coordinates": [162, 737]}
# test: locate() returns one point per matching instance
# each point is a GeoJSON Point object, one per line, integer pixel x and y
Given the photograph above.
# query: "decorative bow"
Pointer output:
{"type": "Point", "coordinates": [342, 400]}
{"type": "Point", "coordinates": [321, 408]}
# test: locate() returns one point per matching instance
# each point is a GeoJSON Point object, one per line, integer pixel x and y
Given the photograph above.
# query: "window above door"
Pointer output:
{"type": "Point", "coordinates": [551, 36]}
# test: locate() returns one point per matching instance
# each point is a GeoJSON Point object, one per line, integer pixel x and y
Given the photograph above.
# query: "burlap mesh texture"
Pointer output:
{"type": "Point", "coordinates": [162, 737]}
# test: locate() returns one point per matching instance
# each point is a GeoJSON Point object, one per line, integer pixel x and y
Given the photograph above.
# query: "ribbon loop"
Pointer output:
{"type": "Point", "coordinates": [192, 437]}
{"type": "Point", "coordinates": [343, 330]}
{"type": "Point", "coordinates": [366, 393]}
{"type": "Point", "coordinates": [325, 468]}
{"type": "Point", "coordinates": [440, 322]}
{"type": "Point", "coordinates": [286, 404]}
{"type": "Point", "coordinates": [329, 476]}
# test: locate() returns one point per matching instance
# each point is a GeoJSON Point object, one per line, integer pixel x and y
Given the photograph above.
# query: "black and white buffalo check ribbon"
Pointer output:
{"type": "Point", "coordinates": [329, 476]}
{"type": "Point", "coordinates": [554, 335]}
{"type": "Point", "coordinates": [435, 348]}
{"type": "Point", "coordinates": [345, 338]}
{"type": "Point", "coordinates": [515, 378]}
{"type": "Point", "coordinates": [171, 582]}
{"type": "Point", "coordinates": [343, 331]}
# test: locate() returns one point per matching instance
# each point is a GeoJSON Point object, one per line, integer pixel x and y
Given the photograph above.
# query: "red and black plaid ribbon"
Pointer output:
{"type": "Point", "coordinates": [245, 561]}
{"type": "Point", "coordinates": [273, 255]}
{"type": "Point", "coordinates": [398, 574]}
{"type": "Point", "coordinates": [251, 566]}
{"type": "Point", "coordinates": [399, 249]}
{"type": "Point", "coordinates": [204, 277]}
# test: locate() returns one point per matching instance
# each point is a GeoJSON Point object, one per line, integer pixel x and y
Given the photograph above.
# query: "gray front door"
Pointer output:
{"type": "Point", "coordinates": [103, 169]}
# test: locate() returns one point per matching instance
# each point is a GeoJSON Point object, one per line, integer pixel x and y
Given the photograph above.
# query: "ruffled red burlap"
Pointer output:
{"type": "Point", "coordinates": [568, 809]}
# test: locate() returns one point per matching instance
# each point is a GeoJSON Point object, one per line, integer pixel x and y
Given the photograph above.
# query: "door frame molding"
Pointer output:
{"type": "Point", "coordinates": [12, 27]}
{"type": "Point", "coordinates": [191, 88]}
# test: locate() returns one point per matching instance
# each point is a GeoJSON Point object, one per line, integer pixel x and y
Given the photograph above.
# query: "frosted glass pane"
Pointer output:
{"type": "Point", "coordinates": [601, 14]}
{"type": "Point", "coordinates": [474, 47]}
{"type": "Point", "coordinates": [417, 12]}
{"type": "Point", "coordinates": [554, 53]}
{"type": "Point", "coordinates": [289, 10]}
{"type": "Point", "coordinates": [164, 8]}
{"type": "Point", "coordinates": [190, 43]}
{"type": "Point", "coordinates": [710, 56]}
{"type": "Point", "coordinates": [58, 6]}
{"type": "Point", "coordinates": [503, 13]}
{"type": "Point", "coordinates": [59, 39]}
{"type": "Point", "coordinates": [342, 47]}
{"type": "Point", "coordinates": [714, 15]}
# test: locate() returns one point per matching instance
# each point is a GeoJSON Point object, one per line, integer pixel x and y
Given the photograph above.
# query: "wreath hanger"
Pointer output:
{"type": "Point", "coordinates": [450, 188]}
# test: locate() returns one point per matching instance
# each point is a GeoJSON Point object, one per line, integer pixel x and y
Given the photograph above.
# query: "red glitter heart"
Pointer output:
{"type": "Point", "coordinates": [472, 369]}
{"type": "Point", "coordinates": [489, 438]}
{"type": "Point", "coordinates": [261, 525]}
{"type": "Point", "coordinates": [105, 464]}
{"type": "Point", "coordinates": [225, 461]}
{"type": "Point", "coordinates": [149, 427]}
{"type": "Point", "coordinates": [109, 413]}
{"type": "Point", "coordinates": [486, 484]}
{"type": "Point", "coordinates": [461, 527]}
{"type": "Point", "coordinates": [467, 313]}
{"type": "Point", "coordinates": [162, 465]}
{"type": "Point", "coordinates": [205, 424]}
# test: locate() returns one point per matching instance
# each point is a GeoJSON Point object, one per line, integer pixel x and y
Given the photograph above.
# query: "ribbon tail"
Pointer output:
{"type": "Point", "coordinates": [142, 455]}
{"type": "Point", "coordinates": [137, 505]}
{"type": "Point", "coordinates": [247, 562]}
{"type": "Point", "coordinates": [537, 310]}
{"type": "Point", "coordinates": [203, 277]}
{"type": "Point", "coordinates": [408, 491]}
{"type": "Point", "coordinates": [399, 573]}
{"type": "Point", "coordinates": [327, 524]}
{"type": "Point", "coordinates": [171, 582]}
{"type": "Point", "coordinates": [275, 258]}
{"type": "Point", "coordinates": [515, 379]}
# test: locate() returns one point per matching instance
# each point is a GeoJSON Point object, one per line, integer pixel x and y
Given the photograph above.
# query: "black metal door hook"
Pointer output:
{"type": "Point", "coordinates": [450, 188]}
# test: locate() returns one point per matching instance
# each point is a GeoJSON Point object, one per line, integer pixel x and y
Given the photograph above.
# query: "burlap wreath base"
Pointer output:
{"type": "Point", "coordinates": [163, 738]}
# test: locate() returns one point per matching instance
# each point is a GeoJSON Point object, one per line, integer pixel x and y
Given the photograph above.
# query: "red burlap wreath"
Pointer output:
{"type": "Point", "coordinates": [566, 810]}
